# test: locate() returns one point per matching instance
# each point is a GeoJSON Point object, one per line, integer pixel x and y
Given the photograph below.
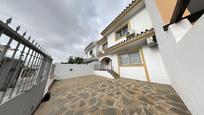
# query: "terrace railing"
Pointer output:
{"type": "Point", "coordinates": [22, 65]}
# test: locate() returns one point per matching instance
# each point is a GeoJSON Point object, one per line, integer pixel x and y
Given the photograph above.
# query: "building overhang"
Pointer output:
{"type": "Point", "coordinates": [90, 46]}
{"type": "Point", "coordinates": [128, 12]}
{"type": "Point", "coordinates": [136, 41]}
{"type": "Point", "coordinates": [102, 40]}
{"type": "Point", "coordinates": [89, 60]}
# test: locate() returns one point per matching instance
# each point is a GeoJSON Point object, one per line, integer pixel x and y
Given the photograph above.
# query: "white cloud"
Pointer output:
{"type": "Point", "coordinates": [63, 27]}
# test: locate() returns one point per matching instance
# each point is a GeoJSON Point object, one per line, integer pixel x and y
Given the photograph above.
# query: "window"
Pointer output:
{"type": "Point", "coordinates": [122, 31]}
{"type": "Point", "coordinates": [91, 52]}
{"type": "Point", "coordinates": [105, 46]}
{"type": "Point", "coordinates": [130, 58]}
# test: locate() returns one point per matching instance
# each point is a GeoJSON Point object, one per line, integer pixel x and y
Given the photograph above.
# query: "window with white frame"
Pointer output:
{"type": "Point", "coordinates": [122, 31]}
{"type": "Point", "coordinates": [130, 58]}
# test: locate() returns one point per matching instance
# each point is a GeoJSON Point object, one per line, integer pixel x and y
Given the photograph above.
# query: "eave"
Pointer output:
{"type": "Point", "coordinates": [102, 40]}
{"type": "Point", "coordinates": [136, 39]}
{"type": "Point", "coordinates": [121, 15]}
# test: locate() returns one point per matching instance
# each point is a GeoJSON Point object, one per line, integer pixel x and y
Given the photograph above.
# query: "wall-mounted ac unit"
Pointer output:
{"type": "Point", "coordinates": [151, 41]}
{"type": "Point", "coordinates": [130, 34]}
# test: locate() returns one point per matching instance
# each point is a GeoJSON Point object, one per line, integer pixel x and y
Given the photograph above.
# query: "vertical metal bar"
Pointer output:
{"type": "Point", "coordinates": [20, 65]}
{"type": "Point", "coordinates": [22, 70]}
{"type": "Point", "coordinates": [30, 73]}
{"type": "Point", "coordinates": [41, 69]}
{"type": "Point", "coordinates": [1, 32]}
{"type": "Point", "coordinates": [48, 69]}
{"type": "Point", "coordinates": [34, 67]}
{"type": "Point", "coordinates": [28, 69]}
{"type": "Point", "coordinates": [37, 68]}
{"type": "Point", "coordinates": [33, 75]}
{"type": "Point", "coordinates": [9, 74]}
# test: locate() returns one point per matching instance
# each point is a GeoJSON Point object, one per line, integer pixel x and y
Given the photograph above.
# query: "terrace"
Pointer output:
{"type": "Point", "coordinates": [28, 74]}
{"type": "Point", "coordinates": [95, 95]}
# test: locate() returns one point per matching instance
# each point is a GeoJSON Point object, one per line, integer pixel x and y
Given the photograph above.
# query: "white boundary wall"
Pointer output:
{"type": "Point", "coordinates": [183, 57]}
{"type": "Point", "coordinates": [66, 71]}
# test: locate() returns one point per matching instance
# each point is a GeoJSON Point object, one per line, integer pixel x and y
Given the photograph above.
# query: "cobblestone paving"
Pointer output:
{"type": "Point", "coordinates": [94, 95]}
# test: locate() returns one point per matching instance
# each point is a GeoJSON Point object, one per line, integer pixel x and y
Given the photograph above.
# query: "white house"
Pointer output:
{"type": "Point", "coordinates": [158, 41]}
{"type": "Point", "coordinates": [129, 48]}
{"type": "Point", "coordinates": [91, 52]}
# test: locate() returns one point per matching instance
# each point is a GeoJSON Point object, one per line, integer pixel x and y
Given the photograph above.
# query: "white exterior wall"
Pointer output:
{"type": "Point", "coordinates": [137, 73]}
{"type": "Point", "coordinates": [100, 47]}
{"type": "Point", "coordinates": [114, 59]}
{"type": "Point", "coordinates": [94, 52]}
{"type": "Point", "coordinates": [62, 71]}
{"type": "Point", "coordinates": [155, 67]}
{"type": "Point", "coordinates": [115, 63]}
{"type": "Point", "coordinates": [183, 57]}
{"type": "Point", "coordinates": [141, 21]}
{"type": "Point", "coordinates": [111, 39]}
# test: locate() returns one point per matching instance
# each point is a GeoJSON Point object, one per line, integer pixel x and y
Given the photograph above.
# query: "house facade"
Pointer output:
{"type": "Point", "coordinates": [91, 52]}
{"type": "Point", "coordinates": [129, 46]}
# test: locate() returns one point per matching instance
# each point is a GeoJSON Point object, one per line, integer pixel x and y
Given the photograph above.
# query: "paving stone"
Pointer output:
{"type": "Point", "coordinates": [102, 90]}
{"type": "Point", "coordinates": [178, 111]}
{"type": "Point", "coordinates": [179, 105]}
{"type": "Point", "coordinates": [103, 85]}
{"type": "Point", "coordinates": [110, 94]}
{"type": "Point", "coordinates": [84, 95]}
{"type": "Point", "coordinates": [99, 102]}
{"type": "Point", "coordinates": [126, 101]}
{"type": "Point", "coordinates": [62, 109]}
{"type": "Point", "coordinates": [118, 92]}
{"type": "Point", "coordinates": [146, 100]}
{"type": "Point", "coordinates": [130, 92]}
{"type": "Point", "coordinates": [124, 112]}
{"type": "Point", "coordinates": [110, 101]}
{"type": "Point", "coordinates": [161, 109]}
{"type": "Point", "coordinates": [173, 98]}
{"type": "Point", "coordinates": [92, 100]}
{"type": "Point", "coordinates": [79, 113]}
{"type": "Point", "coordinates": [109, 111]}
{"type": "Point", "coordinates": [82, 103]}
{"type": "Point", "coordinates": [93, 95]}
{"type": "Point", "coordinates": [69, 113]}
{"type": "Point", "coordinates": [94, 108]}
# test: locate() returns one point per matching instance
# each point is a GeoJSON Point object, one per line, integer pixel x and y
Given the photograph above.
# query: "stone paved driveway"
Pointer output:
{"type": "Point", "coordinates": [94, 95]}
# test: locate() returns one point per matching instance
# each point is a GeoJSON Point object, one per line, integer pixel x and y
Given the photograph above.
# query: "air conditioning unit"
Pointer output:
{"type": "Point", "coordinates": [130, 34]}
{"type": "Point", "coordinates": [151, 41]}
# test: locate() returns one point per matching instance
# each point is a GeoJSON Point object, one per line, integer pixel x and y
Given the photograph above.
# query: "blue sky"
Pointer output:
{"type": "Point", "coordinates": [62, 27]}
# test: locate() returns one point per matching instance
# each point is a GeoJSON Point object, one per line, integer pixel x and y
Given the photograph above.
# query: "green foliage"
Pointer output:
{"type": "Point", "coordinates": [74, 60]}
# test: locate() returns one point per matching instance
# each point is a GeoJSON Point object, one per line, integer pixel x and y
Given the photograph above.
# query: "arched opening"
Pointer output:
{"type": "Point", "coordinates": [106, 63]}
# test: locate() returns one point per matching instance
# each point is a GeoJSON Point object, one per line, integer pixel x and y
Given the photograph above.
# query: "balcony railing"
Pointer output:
{"type": "Point", "coordinates": [23, 67]}
{"type": "Point", "coordinates": [179, 10]}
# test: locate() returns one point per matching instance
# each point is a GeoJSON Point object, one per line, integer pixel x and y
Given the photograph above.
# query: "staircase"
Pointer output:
{"type": "Point", "coordinates": [113, 73]}
{"type": "Point", "coordinates": [109, 70]}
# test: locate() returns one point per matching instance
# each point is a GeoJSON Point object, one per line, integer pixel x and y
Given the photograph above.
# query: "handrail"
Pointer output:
{"type": "Point", "coordinates": [192, 17]}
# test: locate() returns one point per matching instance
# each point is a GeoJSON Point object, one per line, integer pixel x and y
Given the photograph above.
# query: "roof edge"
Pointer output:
{"type": "Point", "coordinates": [123, 13]}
